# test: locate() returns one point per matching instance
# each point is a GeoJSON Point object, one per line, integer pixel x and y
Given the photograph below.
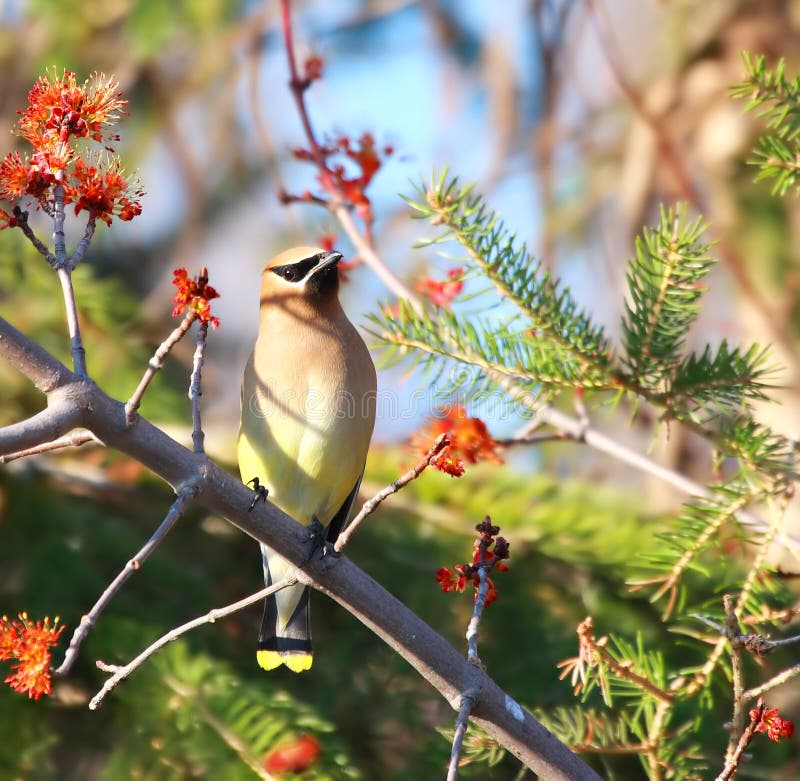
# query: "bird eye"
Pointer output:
{"type": "Point", "coordinates": [289, 274]}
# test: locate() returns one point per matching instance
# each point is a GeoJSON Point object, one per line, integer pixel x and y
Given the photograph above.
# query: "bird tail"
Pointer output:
{"type": "Point", "coordinates": [285, 635]}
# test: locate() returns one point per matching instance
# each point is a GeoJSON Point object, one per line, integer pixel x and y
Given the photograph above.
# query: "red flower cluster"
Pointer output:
{"type": "Point", "coordinates": [27, 644]}
{"type": "Point", "coordinates": [335, 177]}
{"type": "Point", "coordinates": [195, 295]}
{"type": "Point", "coordinates": [490, 551]}
{"type": "Point", "coordinates": [294, 756]}
{"type": "Point", "coordinates": [442, 292]}
{"type": "Point", "coordinates": [470, 441]}
{"type": "Point", "coordinates": [61, 108]}
{"type": "Point", "coordinates": [59, 111]}
{"type": "Point", "coordinates": [767, 720]}
{"type": "Point", "coordinates": [102, 193]}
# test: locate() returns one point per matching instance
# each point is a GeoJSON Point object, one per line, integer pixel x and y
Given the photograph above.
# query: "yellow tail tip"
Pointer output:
{"type": "Point", "coordinates": [296, 662]}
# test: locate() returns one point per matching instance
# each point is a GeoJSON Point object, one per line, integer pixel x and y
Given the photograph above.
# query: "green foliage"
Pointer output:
{"type": "Point", "coordinates": [776, 98]}
{"type": "Point", "coordinates": [191, 717]}
{"type": "Point", "coordinates": [114, 331]}
{"type": "Point", "coordinates": [548, 344]}
{"type": "Point", "coordinates": [665, 286]}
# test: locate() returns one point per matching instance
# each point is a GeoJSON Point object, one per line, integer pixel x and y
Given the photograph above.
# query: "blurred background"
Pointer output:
{"type": "Point", "coordinates": [576, 119]}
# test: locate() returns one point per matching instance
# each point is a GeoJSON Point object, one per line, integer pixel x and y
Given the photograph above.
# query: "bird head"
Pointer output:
{"type": "Point", "coordinates": [301, 273]}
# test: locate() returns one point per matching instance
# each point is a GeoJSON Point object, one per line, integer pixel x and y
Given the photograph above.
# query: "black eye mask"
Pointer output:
{"type": "Point", "coordinates": [296, 272]}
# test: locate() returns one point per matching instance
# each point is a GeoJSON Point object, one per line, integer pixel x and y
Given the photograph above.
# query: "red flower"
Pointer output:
{"type": "Point", "coordinates": [469, 440]}
{"type": "Point", "coordinates": [28, 644]}
{"type": "Point", "coordinates": [483, 557]}
{"type": "Point", "coordinates": [442, 292]}
{"type": "Point", "coordinates": [195, 295]}
{"type": "Point", "coordinates": [449, 580]}
{"type": "Point", "coordinates": [770, 722]}
{"type": "Point", "coordinates": [60, 108]}
{"type": "Point", "coordinates": [104, 194]}
{"type": "Point", "coordinates": [294, 756]}
{"type": "Point", "coordinates": [335, 177]}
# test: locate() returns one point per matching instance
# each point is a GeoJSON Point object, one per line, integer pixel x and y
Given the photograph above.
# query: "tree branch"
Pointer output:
{"type": "Point", "coordinates": [73, 325]}
{"type": "Point", "coordinates": [195, 387]}
{"type": "Point", "coordinates": [75, 438]}
{"type": "Point", "coordinates": [120, 673]}
{"type": "Point", "coordinates": [155, 363]}
{"type": "Point", "coordinates": [57, 419]}
{"type": "Point", "coordinates": [177, 509]}
{"type": "Point", "coordinates": [427, 651]}
{"type": "Point", "coordinates": [372, 504]}
{"type": "Point", "coordinates": [27, 357]}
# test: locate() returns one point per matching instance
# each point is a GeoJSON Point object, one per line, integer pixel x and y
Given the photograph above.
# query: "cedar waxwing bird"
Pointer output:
{"type": "Point", "coordinates": [308, 409]}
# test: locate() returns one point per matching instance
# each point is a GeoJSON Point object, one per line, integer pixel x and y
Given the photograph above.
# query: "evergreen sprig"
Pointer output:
{"type": "Point", "coordinates": [665, 286]}
{"type": "Point", "coordinates": [527, 359]}
{"type": "Point", "coordinates": [549, 344]}
{"type": "Point", "coordinates": [725, 378]}
{"type": "Point", "coordinates": [698, 527]}
{"type": "Point", "coordinates": [776, 98]}
{"type": "Point", "coordinates": [464, 217]}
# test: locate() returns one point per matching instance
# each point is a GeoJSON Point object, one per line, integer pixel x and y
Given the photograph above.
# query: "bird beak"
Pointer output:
{"type": "Point", "coordinates": [328, 259]}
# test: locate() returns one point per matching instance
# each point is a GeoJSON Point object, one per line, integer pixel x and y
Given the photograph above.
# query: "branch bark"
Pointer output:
{"type": "Point", "coordinates": [427, 651]}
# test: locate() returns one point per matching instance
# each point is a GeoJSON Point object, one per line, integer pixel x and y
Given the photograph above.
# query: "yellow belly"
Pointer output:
{"type": "Point", "coordinates": [309, 457]}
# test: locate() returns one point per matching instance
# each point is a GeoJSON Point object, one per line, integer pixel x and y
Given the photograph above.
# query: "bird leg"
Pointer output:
{"type": "Point", "coordinates": [318, 537]}
{"type": "Point", "coordinates": [261, 493]}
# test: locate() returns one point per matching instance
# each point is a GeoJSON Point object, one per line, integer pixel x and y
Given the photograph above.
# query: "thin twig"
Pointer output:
{"type": "Point", "coordinates": [59, 239]}
{"type": "Point", "coordinates": [781, 678]}
{"type": "Point", "coordinates": [120, 673]}
{"type": "Point", "coordinates": [772, 532]}
{"type": "Point", "coordinates": [477, 613]}
{"type": "Point", "coordinates": [76, 345]}
{"type": "Point", "coordinates": [155, 363]}
{"type": "Point", "coordinates": [535, 439]}
{"type": "Point", "coordinates": [338, 205]}
{"type": "Point", "coordinates": [468, 701]}
{"type": "Point", "coordinates": [228, 736]}
{"type": "Point", "coordinates": [365, 250]}
{"type": "Point", "coordinates": [621, 669]}
{"type": "Point", "coordinates": [178, 508]}
{"type": "Point", "coordinates": [442, 441]}
{"type": "Point", "coordinates": [732, 762]}
{"type": "Point", "coordinates": [74, 439]}
{"type": "Point", "coordinates": [195, 390]}
{"type": "Point", "coordinates": [574, 429]}
{"type": "Point", "coordinates": [83, 244]}
{"type": "Point", "coordinates": [22, 221]}
{"type": "Point", "coordinates": [733, 632]}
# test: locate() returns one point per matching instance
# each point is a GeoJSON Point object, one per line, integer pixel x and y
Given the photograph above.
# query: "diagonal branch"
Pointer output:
{"type": "Point", "coordinates": [75, 438]}
{"type": "Point", "coordinates": [372, 504]}
{"type": "Point", "coordinates": [185, 497]}
{"type": "Point", "coordinates": [155, 363]}
{"type": "Point", "coordinates": [45, 426]}
{"type": "Point", "coordinates": [361, 241]}
{"type": "Point", "coordinates": [120, 673]}
{"type": "Point", "coordinates": [341, 580]}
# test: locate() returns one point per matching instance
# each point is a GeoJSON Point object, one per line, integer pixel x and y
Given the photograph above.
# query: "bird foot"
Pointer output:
{"type": "Point", "coordinates": [261, 493]}
{"type": "Point", "coordinates": [317, 536]}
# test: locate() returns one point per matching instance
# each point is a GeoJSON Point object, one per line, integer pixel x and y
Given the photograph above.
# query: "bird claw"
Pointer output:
{"type": "Point", "coordinates": [261, 493]}
{"type": "Point", "coordinates": [317, 536]}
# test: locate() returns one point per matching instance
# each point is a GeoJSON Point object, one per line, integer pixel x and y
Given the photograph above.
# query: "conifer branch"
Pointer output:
{"type": "Point", "coordinates": [517, 277]}
{"type": "Point", "coordinates": [777, 99]}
